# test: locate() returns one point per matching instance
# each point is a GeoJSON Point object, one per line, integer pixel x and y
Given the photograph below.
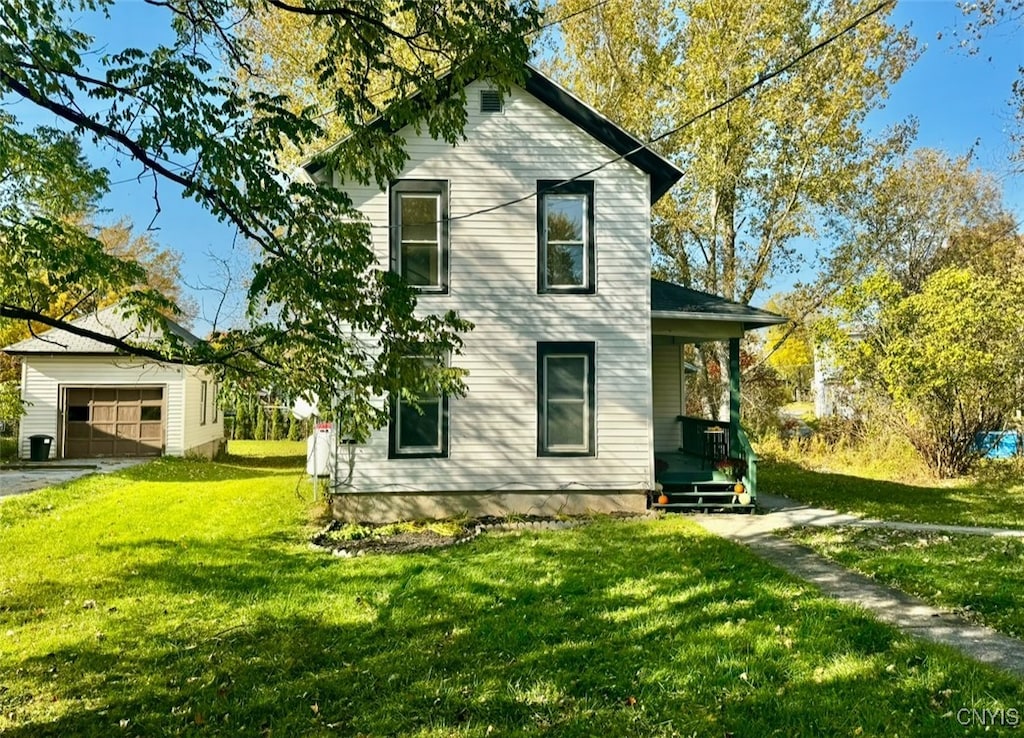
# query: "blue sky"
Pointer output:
{"type": "Point", "coordinates": [959, 100]}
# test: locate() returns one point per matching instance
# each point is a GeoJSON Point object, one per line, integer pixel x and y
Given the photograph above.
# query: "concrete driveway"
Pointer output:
{"type": "Point", "coordinates": [23, 477]}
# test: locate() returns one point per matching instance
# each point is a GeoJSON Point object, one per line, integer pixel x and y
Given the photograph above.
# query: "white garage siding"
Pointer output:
{"type": "Point", "coordinates": [493, 283]}
{"type": "Point", "coordinates": [200, 438]}
{"type": "Point", "coordinates": [44, 378]}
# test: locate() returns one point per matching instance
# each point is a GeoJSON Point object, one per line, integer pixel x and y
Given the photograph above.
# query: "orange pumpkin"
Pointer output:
{"type": "Point", "coordinates": [663, 499]}
{"type": "Point", "coordinates": [738, 489]}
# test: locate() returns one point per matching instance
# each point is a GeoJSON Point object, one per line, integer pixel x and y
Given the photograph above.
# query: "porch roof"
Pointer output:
{"type": "Point", "coordinates": [673, 301]}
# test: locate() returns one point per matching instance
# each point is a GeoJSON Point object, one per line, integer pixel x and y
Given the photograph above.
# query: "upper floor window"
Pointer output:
{"type": "Point", "coordinates": [565, 237]}
{"type": "Point", "coordinates": [419, 233]}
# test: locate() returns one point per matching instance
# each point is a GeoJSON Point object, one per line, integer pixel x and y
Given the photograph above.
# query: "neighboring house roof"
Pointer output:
{"type": "Point", "coordinates": [663, 173]}
{"type": "Point", "coordinates": [673, 301]}
{"type": "Point", "coordinates": [110, 321]}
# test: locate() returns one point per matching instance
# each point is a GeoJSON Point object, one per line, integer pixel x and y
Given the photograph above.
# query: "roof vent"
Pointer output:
{"type": "Point", "coordinates": [490, 101]}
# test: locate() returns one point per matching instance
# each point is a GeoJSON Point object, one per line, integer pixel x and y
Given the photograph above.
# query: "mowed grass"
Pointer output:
{"type": "Point", "coordinates": [977, 577]}
{"type": "Point", "coordinates": [993, 496]}
{"type": "Point", "coordinates": [182, 598]}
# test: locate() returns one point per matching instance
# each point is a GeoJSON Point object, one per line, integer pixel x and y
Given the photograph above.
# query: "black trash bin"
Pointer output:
{"type": "Point", "coordinates": [39, 447]}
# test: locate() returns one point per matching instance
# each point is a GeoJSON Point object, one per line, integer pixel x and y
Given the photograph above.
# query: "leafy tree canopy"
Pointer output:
{"type": "Point", "coordinates": [947, 357]}
{"type": "Point", "coordinates": [925, 211]}
{"type": "Point", "coordinates": [325, 319]}
{"type": "Point", "coordinates": [791, 352]}
{"type": "Point", "coordinates": [770, 165]}
{"type": "Point", "coordinates": [935, 328]}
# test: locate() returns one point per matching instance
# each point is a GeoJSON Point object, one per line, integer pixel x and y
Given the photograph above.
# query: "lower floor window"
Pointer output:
{"type": "Point", "coordinates": [419, 431]}
{"type": "Point", "coordinates": [565, 399]}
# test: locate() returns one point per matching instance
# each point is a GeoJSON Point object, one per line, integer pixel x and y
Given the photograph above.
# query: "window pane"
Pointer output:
{"type": "Point", "coordinates": [419, 429]}
{"type": "Point", "coordinates": [419, 264]}
{"type": "Point", "coordinates": [565, 214]}
{"type": "Point", "coordinates": [566, 377]}
{"type": "Point", "coordinates": [565, 424]}
{"type": "Point", "coordinates": [419, 218]}
{"type": "Point", "coordinates": [565, 264]}
{"type": "Point", "coordinates": [78, 413]}
{"type": "Point", "coordinates": [151, 413]}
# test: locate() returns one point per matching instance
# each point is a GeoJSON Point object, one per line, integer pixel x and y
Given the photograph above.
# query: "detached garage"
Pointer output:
{"type": "Point", "coordinates": [95, 402]}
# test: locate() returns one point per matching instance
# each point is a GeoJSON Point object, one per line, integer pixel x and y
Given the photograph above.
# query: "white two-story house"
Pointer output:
{"type": "Point", "coordinates": [575, 377]}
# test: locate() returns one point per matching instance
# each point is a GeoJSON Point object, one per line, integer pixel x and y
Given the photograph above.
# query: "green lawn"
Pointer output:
{"type": "Point", "coordinates": [980, 578]}
{"type": "Point", "coordinates": [993, 497]}
{"type": "Point", "coordinates": [181, 597]}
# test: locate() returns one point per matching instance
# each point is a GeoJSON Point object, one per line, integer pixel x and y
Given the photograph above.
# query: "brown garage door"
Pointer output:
{"type": "Point", "coordinates": [113, 421]}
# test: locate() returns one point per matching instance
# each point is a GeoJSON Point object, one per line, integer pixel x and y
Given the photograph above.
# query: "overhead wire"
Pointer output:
{"type": "Point", "coordinates": [757, 82]}
{"type": "Point", "coordinates": [760, 80]}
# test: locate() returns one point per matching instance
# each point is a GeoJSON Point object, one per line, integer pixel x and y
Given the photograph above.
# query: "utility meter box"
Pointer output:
{"type": "Point", "coordinates": [320, 451]}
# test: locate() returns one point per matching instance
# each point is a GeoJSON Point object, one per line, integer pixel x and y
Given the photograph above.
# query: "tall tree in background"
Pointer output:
{"type": "Point", "coordinates": [792, 351]}
{"type": "Point", "coordinates": [924, 212]}
{"type": "Point", "coordinates": [178, 112]}
{"type": "Point", "coordinates": [938, 330]}
{"type": "Point", "coordinates": [764, 169]}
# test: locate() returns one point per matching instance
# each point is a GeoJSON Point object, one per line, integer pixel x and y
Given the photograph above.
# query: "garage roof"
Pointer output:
{"type": "Point", "coordinates": [110, 321]}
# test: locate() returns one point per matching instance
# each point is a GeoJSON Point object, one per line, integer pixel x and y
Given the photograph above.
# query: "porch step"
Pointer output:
{"type": "Point", "coordinates": [703, 495]}
{"type": "Point", "coordinates": [704, 506]}
{"type": "Point", "coordinates": [693, 476]}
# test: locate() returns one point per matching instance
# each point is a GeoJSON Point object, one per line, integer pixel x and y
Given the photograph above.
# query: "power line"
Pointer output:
{"type": "Point", "coordinates": [760, 80]}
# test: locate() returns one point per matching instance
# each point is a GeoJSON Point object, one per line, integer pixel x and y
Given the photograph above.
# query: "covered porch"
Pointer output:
{"type": "Point", "coordinates": [701, 463]}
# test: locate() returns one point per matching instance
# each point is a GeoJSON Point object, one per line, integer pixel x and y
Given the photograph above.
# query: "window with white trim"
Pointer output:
{"type": "Point", "coordinates": [419, 233]}
{"type": "Point", "coordinates": [565, 399]}
{"type": "Point", "coordinates": [203, 388]}
{"type": "Point", "coordinates": [565, 237]}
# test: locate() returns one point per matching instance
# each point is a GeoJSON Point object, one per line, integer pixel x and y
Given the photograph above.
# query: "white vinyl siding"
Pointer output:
{"type": "Point", "coordinates": [198, 430]}
{"type": "Point", "coordinates": [44, 378]}
{"type": "Point", "coordinates": [669, 395]}
{"type": "Point", "coordinates": [492, 281]}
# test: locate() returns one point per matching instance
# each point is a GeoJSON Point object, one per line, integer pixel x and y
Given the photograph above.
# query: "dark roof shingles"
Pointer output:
{"type": "Point", "coordinates": [673, 298]}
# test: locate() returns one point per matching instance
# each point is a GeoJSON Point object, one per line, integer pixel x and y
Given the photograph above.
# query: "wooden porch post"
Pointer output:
{"type": "Point", "coordinates": [734, 395]}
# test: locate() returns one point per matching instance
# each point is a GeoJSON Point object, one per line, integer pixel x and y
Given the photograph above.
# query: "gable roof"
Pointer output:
{"type": "Point", "coordinates": [110, 321]}
{"type": "Point", "coordinates": [674, 301]}
{"type": "Point", "coordinates": [662, 172]}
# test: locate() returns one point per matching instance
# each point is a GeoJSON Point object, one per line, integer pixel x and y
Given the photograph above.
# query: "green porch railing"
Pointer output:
{"type": "Point", "coordinates": [693, 440]}
{"type": "Point", "coordinates": [746, 452]}
{"type": "Point", "coordinates": [692, 434]}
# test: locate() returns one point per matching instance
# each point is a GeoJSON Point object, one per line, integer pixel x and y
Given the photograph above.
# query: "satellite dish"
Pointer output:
{"type": "Point", "coordinates": [302, 409]}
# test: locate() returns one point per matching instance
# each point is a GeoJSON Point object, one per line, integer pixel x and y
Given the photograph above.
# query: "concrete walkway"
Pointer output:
{"type": "Point", "coordinates": [33, 476]}
{"type": "Point", "coordinates": [891, 606]}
